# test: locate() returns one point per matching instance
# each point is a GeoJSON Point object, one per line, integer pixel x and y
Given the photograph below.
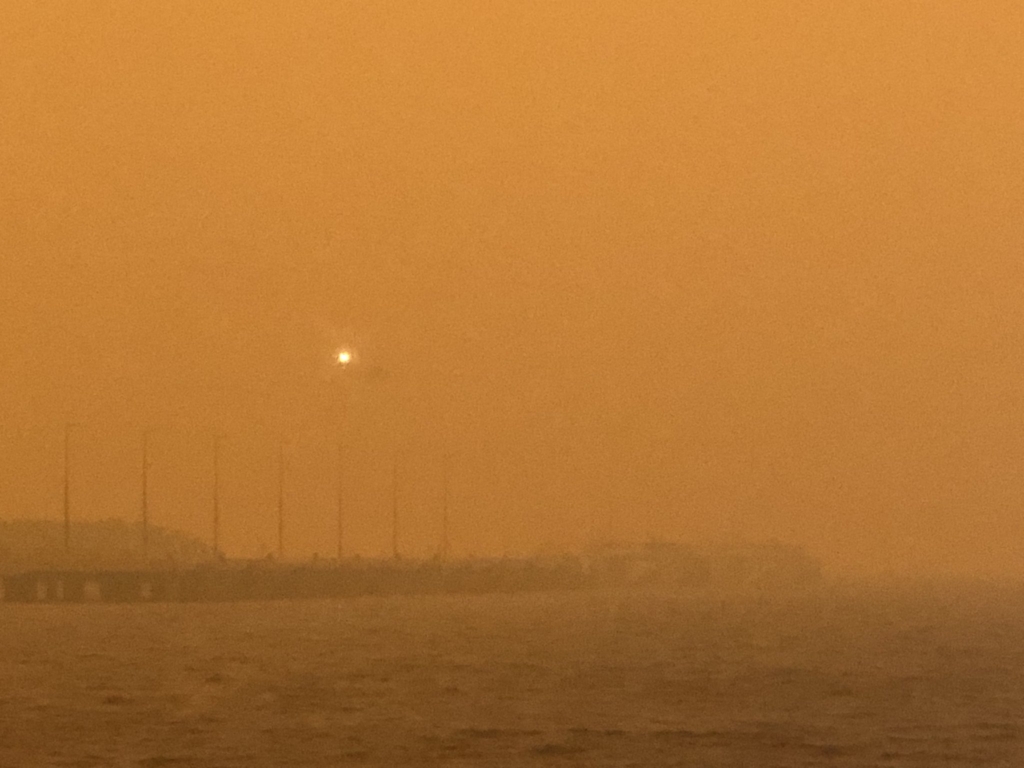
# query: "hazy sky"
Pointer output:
{"type": "Point", "coordinates": [648, 267]}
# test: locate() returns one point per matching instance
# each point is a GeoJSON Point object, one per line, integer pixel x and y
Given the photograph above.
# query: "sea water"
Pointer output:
{"type": "Point", "coordinates": [840, 676]}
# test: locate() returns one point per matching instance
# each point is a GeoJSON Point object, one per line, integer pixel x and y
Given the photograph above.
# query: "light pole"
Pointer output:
{"type": "Point", "coordinates": [67, 487]}
{"type": "Point", "coordinates": [348, 371]}
{"type": "Point", "coordinates": [280, 498]}
{"type": "Point", "coordinates": [343, 359]}
{"type": "Point", "coordinates": [340, 500]}
{"type": "Point", "coordinates": [394, 504]}
{"type": "Point", "coordinates": [453, 376]}
{"type": "Point", "coordinates": [145, 492]}
{"type": "Point", "coordinates": [445, 482]}
{"type": "Point", "coordinates": [216, 495]}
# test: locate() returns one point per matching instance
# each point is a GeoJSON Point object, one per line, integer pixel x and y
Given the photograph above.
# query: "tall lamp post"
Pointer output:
{"type": "Point", "coordinates": [446, 458]}
{"type": "Point", "coordinates": [217, 439]}
{"type": "Point", "coordinates": [348, 370]}
{"type": "Point", "coordinates": [454, 375]}
{"type": "Point", "coordinates": [145, 492]}
{"type": "Point", "coordinates": [343, 359]}
{"type": "Point", "coordinates": [67, 487]}
{"type": "Point", "coordinates": [280, 498]}
{"type": "Point", "coordinates": [394, 504]}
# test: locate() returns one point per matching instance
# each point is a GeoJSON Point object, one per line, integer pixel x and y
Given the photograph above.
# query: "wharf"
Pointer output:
{"type": "Point", "coordinates": [234, 582]}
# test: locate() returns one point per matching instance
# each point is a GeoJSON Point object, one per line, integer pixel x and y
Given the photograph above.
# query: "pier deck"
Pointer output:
{"type": "Point", "coordinates": [284, 582]}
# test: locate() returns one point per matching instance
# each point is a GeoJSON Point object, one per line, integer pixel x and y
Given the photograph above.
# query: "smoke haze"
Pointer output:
{"type": "Point", "coordinates": [644, 269]}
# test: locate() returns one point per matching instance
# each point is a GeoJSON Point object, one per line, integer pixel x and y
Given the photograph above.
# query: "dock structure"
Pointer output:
{"type": "Point", "coordinates": [290, 582]}
{"type": "Point", "coordinates": [89, 586]}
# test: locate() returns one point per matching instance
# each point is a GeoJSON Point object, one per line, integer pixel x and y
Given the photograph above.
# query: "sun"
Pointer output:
{"type": "Point", "coordinates": [344, 357]}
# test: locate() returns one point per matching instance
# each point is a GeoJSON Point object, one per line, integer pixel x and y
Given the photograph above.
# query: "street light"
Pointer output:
{"type": "Point", "coordinates": [145, 491]}
{"type": "Point", "coordinates": [67, 487]}
{"type": "Point", "coordinates": [351, 371]}
{"type": "Point", "coordinates": [343, 359]}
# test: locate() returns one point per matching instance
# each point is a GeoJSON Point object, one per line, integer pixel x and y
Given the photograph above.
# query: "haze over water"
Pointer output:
{"type": "Point", "coordinates": [451, 279]}
{"type": "Point", "coordinates": [649, 268]}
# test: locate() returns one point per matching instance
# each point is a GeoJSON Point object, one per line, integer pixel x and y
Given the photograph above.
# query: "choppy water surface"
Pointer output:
{"type": "Point", "coordinates": [841, 678]}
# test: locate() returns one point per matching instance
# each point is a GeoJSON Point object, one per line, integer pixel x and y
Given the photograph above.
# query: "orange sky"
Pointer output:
{"type": "Point", "coordinates": [661, 267]}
